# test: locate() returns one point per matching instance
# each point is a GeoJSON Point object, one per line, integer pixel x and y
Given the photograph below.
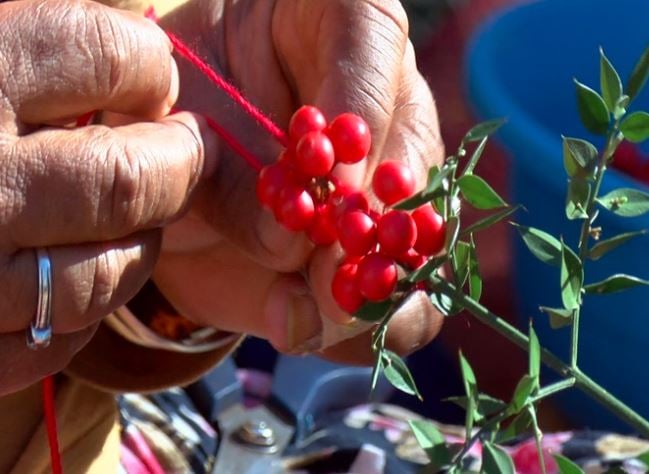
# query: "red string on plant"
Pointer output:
{"type": "Point", "coordinates": [49, 409]}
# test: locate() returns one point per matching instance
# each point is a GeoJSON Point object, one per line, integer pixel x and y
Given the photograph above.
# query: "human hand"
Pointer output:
{"type": "Point", "coordinates": [95, 196]}
{"type": "Point", "coordinates": [228, 263]}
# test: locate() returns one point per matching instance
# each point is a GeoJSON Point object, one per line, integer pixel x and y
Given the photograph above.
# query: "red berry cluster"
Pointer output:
{"type": "Point", "coordinates": [304, 196]}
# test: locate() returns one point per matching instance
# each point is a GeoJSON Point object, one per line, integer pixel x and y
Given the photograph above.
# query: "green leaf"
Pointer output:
{"type": "Point", "coordinates": [436, 180]}
{"type": "Point", "coordinates": [602, 248]}
{"type": "Point", "coordinates": [452, 232]}
{"type": "Point", "coordinates": [478, 193]}
{"type": "Point", "coordinates": [638, 75]}
{"type": "Point", "coordinates": [471, 390]}
{"type": "Point", "coordinates": [626, 202]}
{"type": "Point", "coordinates": [572, 278]}
{"type": "Point", "coordinates": [644, 458]}
{"type": "Point", "coordinates": [468, 377]}
{"type": "Point", "coordinates": [432, 172]}
{"type": "Point", "coordinates": [373, 312]}
{"type": "Point", "coordinates": [592, 109]}
{"type": "Point", "coordinates": [610, 82]}
{"type": "Point", "coordinates": [431, 441]}
{"type": "Point", "coordinates": [427, 270]}
{"type": "Point", "coordinates": [487, 405]}
{"type": "Point", "coordinates": [635, 127]}
{"type": "Point", "coordinates": [439, 203]}
{"type": "Point", "coordinates": [475, 157]}
{"type": "Point", "coordinates": [433, 190]}
{"type": "Point", "coordinates": [579, 157]}
{"type": "Point", "coordinates": [475, 280]}
{"type": "Point", "coordinates": [620, 107]}
{"type": "Point", "coordinates": [544, 246]}
{"type": "Point", "coordinates": [397, 373]}
{"type": "Point", "coordinates": [417, 200]}
{"type": "Point", "coordinates": [461, 262]}
{"type": "Point", "coordinates": [444, 304]}
{"type": "Point", "coordinates": [534, 356]}
{"type": "Point", "coordinates": [566, 466]}
{"type": "Point", "coordinates": [614, 284]}
{"type": "Point", "coordinates": [490, 220]}
{"type": "Point", "coordinates": [518, 426]}
{"type": "Point", "coordinates": [559, 317]}
{"type": "Point", "coordinates": [495, 460]}
{"type": "Point", "coordinates": [483, 130]}
{"type": "Point", "coordinates": [522, 393]}
{"type": "Point", "coordinates": [577, 199]}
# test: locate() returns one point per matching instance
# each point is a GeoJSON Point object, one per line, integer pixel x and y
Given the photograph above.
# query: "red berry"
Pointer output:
{"type": "Point", "coordinates": [354, 201]}
{"type": "Point", "coordinates": [294, 208]}
{"type": "Point", "coordinates": [323, 228]}
{"type": "Point", "coordinates": [314, 155]}
{"type": "Point", "coordinates": [412, 259]}
{"type": "Point", "coordinates": [344, 289]}
{"type": "Point", "coordinates": [306, 119]}
{"type": "Point", "coordinates": [377, 277]}
{"type": "Point", "coordinates": [287, 158]}
{"type": "Point", "coordinates": [431, 230]}
{"type": "Point", "coordinates": [397, 233]}
{"type": "Point", "coordinates": [351, 138]}
{"type": "Point", "coordinates": [357, 233]}
{"type": "Point", "coordinates": [393, 181]}
{"type": "Point", "coordinates": [272, 179]}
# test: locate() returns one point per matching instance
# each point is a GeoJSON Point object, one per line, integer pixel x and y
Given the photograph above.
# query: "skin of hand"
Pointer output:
{"type": "Point", "coordinates": [95, 196]}
{"type": "Point", "coordinates": [228, 263]}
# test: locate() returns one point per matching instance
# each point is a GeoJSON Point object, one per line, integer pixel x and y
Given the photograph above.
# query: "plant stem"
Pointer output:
{"type": "Point", "coordinates": [504, 414]}
{"type": "Point", "coordinates": [581, 380]}
{"type": "Point", "coordinates": [609, 401]}
{"type": "Point", "coordinates": [609, 149]}
{"type": "Point", "coordinates": [494, 321]}
{"type": "Point", "coordinates": [554, 388]}
{"type": "Point", "coordinates": [538, 436]}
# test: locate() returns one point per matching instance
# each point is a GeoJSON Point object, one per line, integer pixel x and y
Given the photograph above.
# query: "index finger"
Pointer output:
{"type": "Point", "coordinates": [67, 58]}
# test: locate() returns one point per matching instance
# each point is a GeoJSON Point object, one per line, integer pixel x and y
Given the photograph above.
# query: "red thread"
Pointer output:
{"type": "Point", "coordinates": [49, 409]}
{"type": "Point", "coordinates": [232, 142]}
{"type": "Point", "coordinates": [228, 88]}
{"type": "Point", "coordinates": [85, 119]}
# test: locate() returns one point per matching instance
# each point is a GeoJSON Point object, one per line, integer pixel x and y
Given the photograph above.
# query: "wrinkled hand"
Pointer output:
{"type": "Point", "coordinates": [96, 196]}
{"type": "Point", "coordinates": [228, 263]}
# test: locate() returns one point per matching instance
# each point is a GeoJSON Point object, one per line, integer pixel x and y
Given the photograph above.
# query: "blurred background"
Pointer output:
{"type": "Point", "coordinates": [516, 59]}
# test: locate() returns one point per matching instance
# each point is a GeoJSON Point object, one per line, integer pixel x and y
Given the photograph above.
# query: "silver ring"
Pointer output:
{"type": "Point", "coordinates": [39, 333]}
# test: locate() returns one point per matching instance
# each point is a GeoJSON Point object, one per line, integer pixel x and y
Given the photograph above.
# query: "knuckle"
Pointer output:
{"type": "Point", "coordinates": [105, 280]}
{"type": "Point", "coordinates": [393, 11]}
{"type": "Point", "coordinates": [107, 41]}
{"type": "Point", "coordinates": [129, 190]}
{"type": "Point", "coordinates": [121, 172]}
{"type": "Point", "coordinates": [120, 49]}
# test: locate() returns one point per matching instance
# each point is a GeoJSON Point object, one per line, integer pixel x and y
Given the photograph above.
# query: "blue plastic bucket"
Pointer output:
{"type": "Point", "coordinates": [521, 66]}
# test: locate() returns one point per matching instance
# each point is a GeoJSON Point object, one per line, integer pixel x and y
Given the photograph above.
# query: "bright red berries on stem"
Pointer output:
{"type": "Point", "coordinates": [304, 196]}
{"type": "Point", "coordinates": [393, 181]}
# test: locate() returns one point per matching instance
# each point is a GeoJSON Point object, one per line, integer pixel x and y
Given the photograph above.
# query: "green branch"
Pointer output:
{"type": "Point", "coordinates": [574, 376]}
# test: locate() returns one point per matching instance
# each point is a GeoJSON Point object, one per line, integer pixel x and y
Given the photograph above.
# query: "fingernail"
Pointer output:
{"type": "Point", "coordinates": [303, 323]}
